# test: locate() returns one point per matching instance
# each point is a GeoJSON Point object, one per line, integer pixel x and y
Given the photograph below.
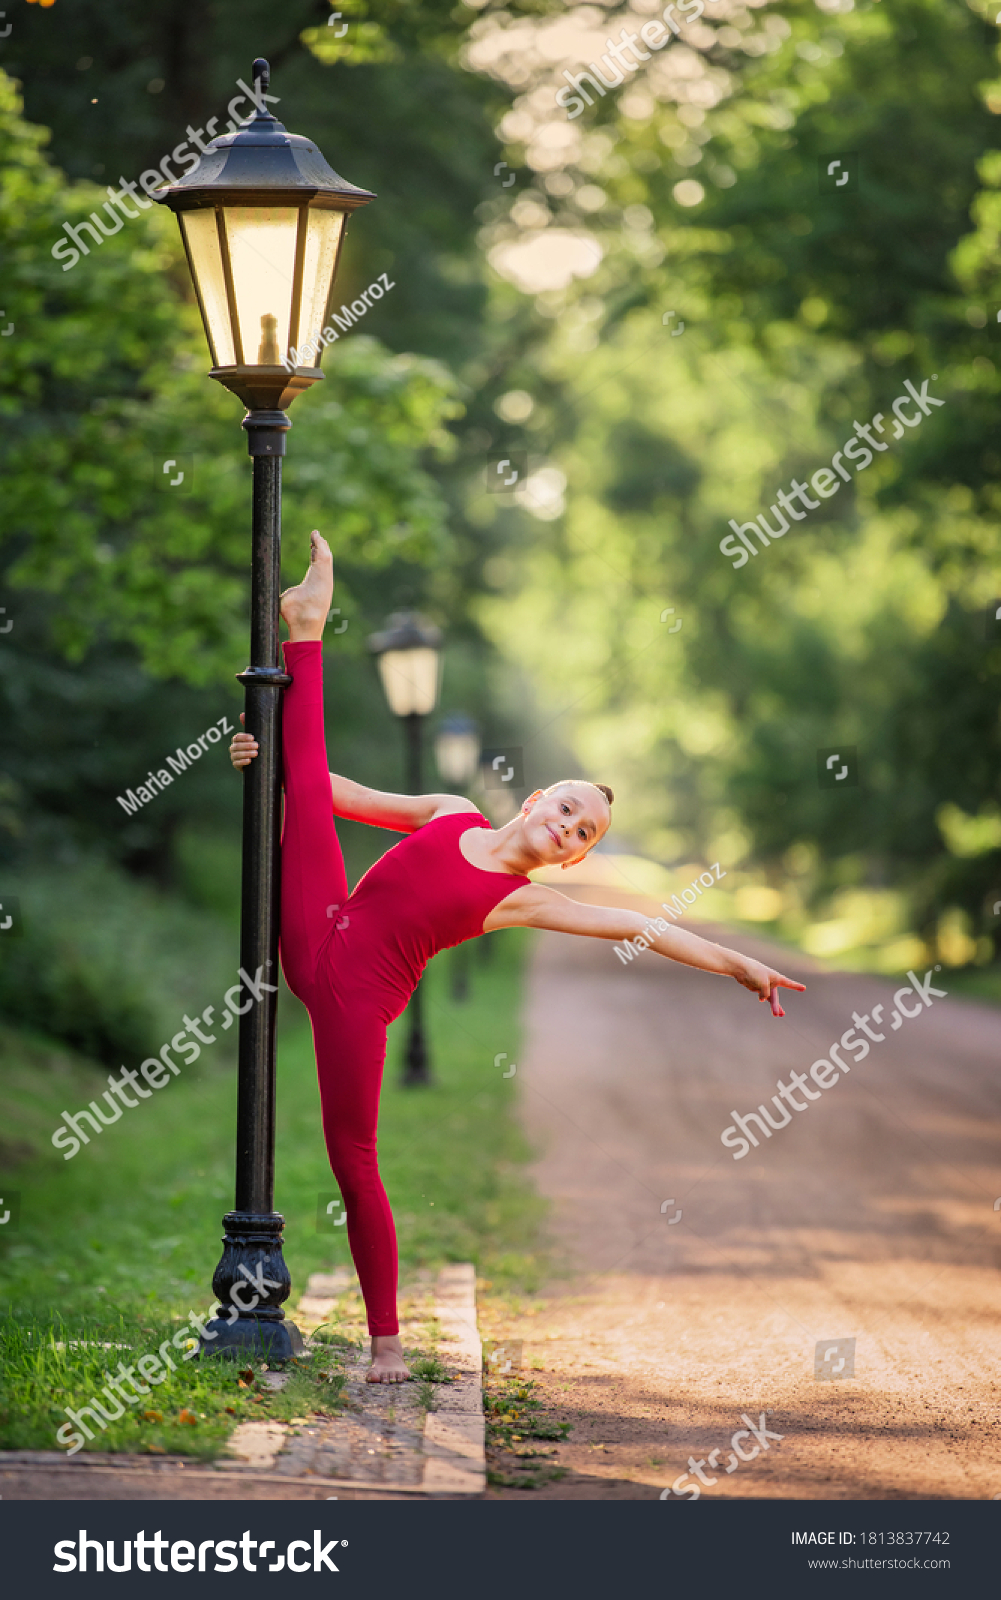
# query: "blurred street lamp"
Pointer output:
{"type": "Point", "coordinates": [457, 753]}
{"type": "Point", "coordinates": [457, 750]}
{"type": "Point", "coordinates": [409, 657]}
{"type": "Point", "coordinates": [262, 219]}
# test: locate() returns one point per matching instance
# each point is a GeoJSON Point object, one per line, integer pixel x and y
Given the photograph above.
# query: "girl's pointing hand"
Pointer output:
{"type": "Point", "coordinates": [765, 982]}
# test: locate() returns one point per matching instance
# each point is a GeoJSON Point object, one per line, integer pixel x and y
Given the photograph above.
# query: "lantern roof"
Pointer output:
{"type": "Point", "coordinates": [407, 630]}
{"type": "Point", "coordinates": [261, 158]}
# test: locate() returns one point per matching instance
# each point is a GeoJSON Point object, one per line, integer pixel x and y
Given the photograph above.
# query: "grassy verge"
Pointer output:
{"type": "Point", "coordinates": [50, 1365]}
{"type": "Point", "coordinates": [517, 1425]}
{"type": "Point", "coordinates": [125, 1236]}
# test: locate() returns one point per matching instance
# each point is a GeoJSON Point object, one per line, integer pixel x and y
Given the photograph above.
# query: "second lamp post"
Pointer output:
{"type": "Point", "coordinates": [409, 656]}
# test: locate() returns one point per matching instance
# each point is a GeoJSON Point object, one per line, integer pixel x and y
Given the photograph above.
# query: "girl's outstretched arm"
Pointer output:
{"type": "Point", "coordinates": [402, 813]}
{"type": "Point", "coordinates": [538, 906]}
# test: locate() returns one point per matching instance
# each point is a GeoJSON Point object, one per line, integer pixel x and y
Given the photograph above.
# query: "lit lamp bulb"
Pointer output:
{"type": "Point", "coordinates": [267, 355]}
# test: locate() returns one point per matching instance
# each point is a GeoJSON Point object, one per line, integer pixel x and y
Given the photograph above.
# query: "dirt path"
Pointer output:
{"type": "Point", "coordinates": [869, 1217]}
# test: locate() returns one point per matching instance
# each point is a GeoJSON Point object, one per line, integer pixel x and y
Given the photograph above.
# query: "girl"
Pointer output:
{"type": "Point", "coordinates": [354, 959]}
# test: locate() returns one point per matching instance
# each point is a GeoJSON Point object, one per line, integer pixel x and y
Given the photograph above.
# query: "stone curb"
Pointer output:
{"type": "Point", "coordinates": [453, 1437]}
{"type": "Point", "coordinates": [455, 1433]}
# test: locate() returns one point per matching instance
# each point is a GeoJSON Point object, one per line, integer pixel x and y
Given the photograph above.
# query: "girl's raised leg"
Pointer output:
{"type": "Point", "coordinates": [314, 884]}
{"type": "Point", "coordinates": [313, 876]}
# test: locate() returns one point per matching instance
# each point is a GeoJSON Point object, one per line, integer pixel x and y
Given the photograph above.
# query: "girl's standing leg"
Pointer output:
{"type": "Point", "coordinates": [350, 1040]}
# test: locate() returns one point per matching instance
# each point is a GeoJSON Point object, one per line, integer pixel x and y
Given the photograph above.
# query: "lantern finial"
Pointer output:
{"type": "Point", "coordinates": [261, 72]}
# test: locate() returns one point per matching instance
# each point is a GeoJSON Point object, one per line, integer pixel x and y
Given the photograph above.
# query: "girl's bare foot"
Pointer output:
{"type": "Point", "coordinates": [305, 607]}
{"type": "Point", "coordinates": [388, 1365]}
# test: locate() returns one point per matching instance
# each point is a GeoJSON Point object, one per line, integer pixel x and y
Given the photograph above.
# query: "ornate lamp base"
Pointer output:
{"type": "Point", "coordinates": [250, 1283]}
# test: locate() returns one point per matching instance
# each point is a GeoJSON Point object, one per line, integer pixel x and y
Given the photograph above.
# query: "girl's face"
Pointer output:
{"type": "Point", "coordinates": [563, 826]}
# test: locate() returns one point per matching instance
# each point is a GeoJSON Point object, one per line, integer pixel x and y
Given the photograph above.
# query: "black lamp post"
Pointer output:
{"type": "Point", "coordinates": [409, 656]}
{"type": "Point", "coordinates": [262, 218]}
{"type": "Point", "coordinates": [457, 753]}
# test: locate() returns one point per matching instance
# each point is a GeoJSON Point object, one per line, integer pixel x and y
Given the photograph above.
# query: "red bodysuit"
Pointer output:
{"type": "Point", "coordinates": [354, 960]}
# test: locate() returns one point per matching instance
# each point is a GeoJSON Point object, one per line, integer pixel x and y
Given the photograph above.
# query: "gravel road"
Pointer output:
{"type": "Point", "coordinates": [869, 1217]}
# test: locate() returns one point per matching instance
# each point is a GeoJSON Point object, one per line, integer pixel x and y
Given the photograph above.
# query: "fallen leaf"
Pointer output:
{"type": "Point", "coordinates": [241, 1384]}
{"type": "Point", "coordinates": [155, 1450]}
{"type": "Point", "coordinates": [153, 1416]}
{"type": "Point", "coordinates": [247, 1374]}
{"type": "Point", "coordinates": [188, 1416]}
{"type": "Point", "coordinates": [231, 1410]}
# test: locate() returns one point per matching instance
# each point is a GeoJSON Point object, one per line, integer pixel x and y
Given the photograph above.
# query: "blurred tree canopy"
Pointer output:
{"type": "Point", "coordinates": [703, 184]}
{"type": "Point", "coordinates": [539, 308]}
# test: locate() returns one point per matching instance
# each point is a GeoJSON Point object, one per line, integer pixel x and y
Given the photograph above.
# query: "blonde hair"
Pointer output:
{"type": "Point", "coordinates": [603, 787]}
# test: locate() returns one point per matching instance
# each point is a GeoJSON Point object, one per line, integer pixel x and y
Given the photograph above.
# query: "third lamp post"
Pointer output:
{"type": "Point", "coordinates": [409, 654]}
{"type": "Point", "coordinates": [457, 754]}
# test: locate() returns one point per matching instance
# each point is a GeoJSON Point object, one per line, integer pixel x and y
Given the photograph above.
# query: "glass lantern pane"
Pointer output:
{"type": "Point", "coordinates": [323, 233]}
{"type": "Point", "coordinates": [262, 258]}
{"type": "Point", "coordinates": [457, 755]}
{"type": "Point", "coordinates": [202, 238]}
{"type": "Point", "coordinates": [410, 679]}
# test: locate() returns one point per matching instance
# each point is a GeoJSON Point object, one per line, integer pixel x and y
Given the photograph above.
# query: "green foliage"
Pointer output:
{"type": "Point", "coordinates": [106, 380]}
{"type": "Point", "coordinates": [804, 310]}
{"type": "Point", "coordinates": [106, 964]}
{"type": "Point", "coordinates": [429, 1369]}
{"type": "Point", "coordinates": [457, 1144]}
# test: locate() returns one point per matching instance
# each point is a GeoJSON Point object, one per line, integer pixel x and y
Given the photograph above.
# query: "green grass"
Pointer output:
{"type": "Point", "coordinates": [516, 1422]}
{"type": "Point", "coordinates": [127, 1233]}
{"type": "Point", "coordinates": [49, 1366]}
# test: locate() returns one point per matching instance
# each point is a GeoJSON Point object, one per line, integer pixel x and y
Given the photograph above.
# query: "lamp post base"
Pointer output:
{"type": "Point", "coordinates": [273, 1338]}
{"type": "Point", "coordinates": [250, 1283]}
